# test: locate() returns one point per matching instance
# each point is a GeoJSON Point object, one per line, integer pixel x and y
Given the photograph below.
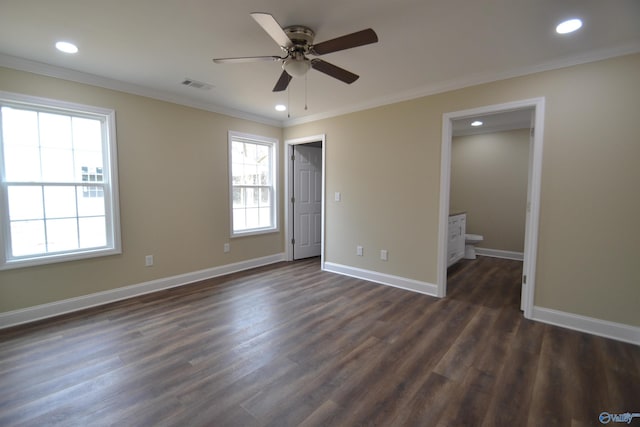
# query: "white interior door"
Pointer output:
{"type": "Point", "coordinates": [307, 201]}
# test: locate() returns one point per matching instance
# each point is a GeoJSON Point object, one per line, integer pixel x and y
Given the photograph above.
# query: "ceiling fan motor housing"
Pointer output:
{"type": "Point", "coordinates": [301, 36]}
{"type": "Point", "coordinates": [296, 64]}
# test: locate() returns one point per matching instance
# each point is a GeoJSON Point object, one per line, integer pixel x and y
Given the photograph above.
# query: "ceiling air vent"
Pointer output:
{"type": "Point", "coordinates": [196, 84]}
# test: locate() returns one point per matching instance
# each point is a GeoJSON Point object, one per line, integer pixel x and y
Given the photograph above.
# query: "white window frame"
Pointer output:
{"type": "Point", "coordinates": [272, 143]}
{"type": "Point", "coordinates": [113, 244]}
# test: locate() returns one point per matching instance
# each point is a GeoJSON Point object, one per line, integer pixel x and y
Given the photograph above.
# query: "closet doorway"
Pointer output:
{"type": "Point", "coordinates": [304, 197]}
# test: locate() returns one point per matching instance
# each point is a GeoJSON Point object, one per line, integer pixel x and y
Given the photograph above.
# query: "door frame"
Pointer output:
{"type": "Point", "coordinates": [535, 164]}
{"type": "Point", "coordinates": [288, 185]}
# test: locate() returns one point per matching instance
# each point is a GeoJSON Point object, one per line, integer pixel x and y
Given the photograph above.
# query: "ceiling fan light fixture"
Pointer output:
{"type": "Point", "coordinates": [296, 67]}
{"type": "Point", "coordinates": [281, 107]}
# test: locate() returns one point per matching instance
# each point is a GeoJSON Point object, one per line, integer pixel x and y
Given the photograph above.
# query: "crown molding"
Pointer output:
{"type": "Point", "coordinates": [477, 79]}
{"type": "Point", "coordinates": [21, 64]}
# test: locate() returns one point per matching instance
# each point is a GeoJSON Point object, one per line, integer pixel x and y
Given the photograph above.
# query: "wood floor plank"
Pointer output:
{"type": "Point", "coordinates": [470, 343]}
{"type": "Point", "coordinates": [322, 416]}
{"type": "Point", "coordinates": [469, 400]}
{"type": "Point", "coordinates": [289, 344]}
{"type": "Point", "coordinates": [512, 393]}
{"type": "Point", "coordinates": [428, 404]}
{"type": "Point", "coordinates": [552, 385]}
{"type": "Point", "coordinates": [387, 387]}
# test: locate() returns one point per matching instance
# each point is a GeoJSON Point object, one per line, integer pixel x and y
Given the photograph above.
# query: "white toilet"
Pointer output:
{"type": "Point", "coordinates": [470, 242]}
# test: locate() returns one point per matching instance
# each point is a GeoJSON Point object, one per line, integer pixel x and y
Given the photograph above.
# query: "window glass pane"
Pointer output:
{"type": "Point", "coordinates": [246, 174]}
{"type": "Point", "coordinates": [27, 238]}
{"type": "Point", "coordinates": [55, 131]}
{"type": "Point", "coordinates": [254, 177]}
{"type": "Point", "coordinates": [60, 202]}
{"type": "Point", "coordinates": [253, 219]}
{"type": "Point", "coordinates": [87, 162]}
{"type": "Point", "coordinates": [90, 201]}
{"type": "Point", "coordinates": [250, 153]}
{"type": "Point", "coordinates": [19, 128]}
{"type": "Point", "coordinates": [87, 135]}
{"type": "Point", "coordinates": [62, 234]}
{"type": "Point", "coordinates": [265, 197]}
{"type": "Point", "coordinates": [22, 163]}
{"type": "Point", "coordinates": [245, 177]}
{"type": "Point", "coordinates": [57, 165]}
{"type": "Point", "coordinates": [25, 202]}
{"type": "Point", "coordinates": [238, 200]}
{"type": "Point", "coordinates": [265, 217]}
{"type": "Point", "coordinates": [237, 152]}
{"type": "Point", "coordinates": [251, 197]}
{"type": "Point", "coordinates": [92, 232]}
{"type": "Point", "coordinates": [264, 175]}
{"type": "Point", "coordinates": [239, 222]}
{"type": "Point", "coordinates": [237, 173]}
{"type": "Point", "coordinates": [262, 154]}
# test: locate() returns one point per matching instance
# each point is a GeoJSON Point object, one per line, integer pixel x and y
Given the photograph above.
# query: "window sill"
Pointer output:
{"type": "Point", "coordinates": [55, 259]}
{"type": "Point", "coordinates": [255, 232]}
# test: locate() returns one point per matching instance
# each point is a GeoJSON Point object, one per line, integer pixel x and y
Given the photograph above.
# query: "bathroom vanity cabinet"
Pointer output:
{"type": "Point", "coordinates": [456, 231]}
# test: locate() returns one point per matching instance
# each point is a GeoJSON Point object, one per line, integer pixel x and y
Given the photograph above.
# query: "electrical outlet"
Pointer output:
{"type": "Point", "coordinates": [384, 255]}
{"type": "Point", "coordinates": [148, 260]}
{"type": "Point", "coordinates": [226, 248]}
{"type": "Point", "coordinates": [359, 250]}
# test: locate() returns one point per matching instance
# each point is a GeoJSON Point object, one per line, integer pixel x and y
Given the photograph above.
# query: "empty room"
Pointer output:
{"type": "Point", "coordinates": [322, 214]}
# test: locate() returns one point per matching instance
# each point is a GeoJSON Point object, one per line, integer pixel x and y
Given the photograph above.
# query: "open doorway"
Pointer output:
{"type": "Point", "coordinates": [523, 110]}
{"type": "Point", "coordinates": [304, 196]}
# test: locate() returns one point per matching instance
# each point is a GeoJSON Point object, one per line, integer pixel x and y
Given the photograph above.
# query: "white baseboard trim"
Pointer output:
{"type": "Point", "coordinates": [384, 279]}
{"type": "Point", "coordinates": [499, 253]}
{"type": "Point", "coordinates": [590, 325]}
{"type": "Point", "coordinates": [39, 312]}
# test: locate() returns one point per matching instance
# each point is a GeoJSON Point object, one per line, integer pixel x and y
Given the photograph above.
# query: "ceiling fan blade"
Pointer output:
{"type": "Point", "coordinates": [242, 60]}
{"type": "Point", "coordinates": [334, 71]}
{"type": "Point", "coordinates": [271, 26]}
{"type": "Point", "coordinates": [283, 82]}
{"type": "Point", "coordinates": [359, 38]}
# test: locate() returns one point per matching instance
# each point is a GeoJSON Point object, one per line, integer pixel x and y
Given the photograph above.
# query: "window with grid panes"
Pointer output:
{"type": "Point", "coordinates": [58, 192]}
{"type": "Point", "coordinates": [253, 184]}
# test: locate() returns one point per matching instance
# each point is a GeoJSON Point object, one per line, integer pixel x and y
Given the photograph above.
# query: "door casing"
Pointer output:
{"type": "Point", "coordinates": [535, 164]}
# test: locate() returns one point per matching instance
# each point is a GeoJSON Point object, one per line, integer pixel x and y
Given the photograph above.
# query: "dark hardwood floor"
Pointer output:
{"type": "Point", "coordinates": [291, 345]}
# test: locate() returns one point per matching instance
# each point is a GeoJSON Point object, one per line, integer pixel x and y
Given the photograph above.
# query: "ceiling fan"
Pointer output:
{"type": "Point", "coordinates": [297, 42]}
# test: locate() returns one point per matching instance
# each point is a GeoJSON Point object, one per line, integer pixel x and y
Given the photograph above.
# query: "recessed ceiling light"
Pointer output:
{"type": "Point", "coordinates": [67, 47]}
{"type": "Point", "coordinates": [476, 123]}
{"type": "Point", "coordinates": [281, 107]}
{"type": "Point", "coordinates": [568, 26]}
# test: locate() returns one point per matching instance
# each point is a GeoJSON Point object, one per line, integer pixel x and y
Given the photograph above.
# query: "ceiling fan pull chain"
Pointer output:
{"type": "Point", "coordinates": [305, 92]}
{"type": "Point", "coordinates": [288, 103]}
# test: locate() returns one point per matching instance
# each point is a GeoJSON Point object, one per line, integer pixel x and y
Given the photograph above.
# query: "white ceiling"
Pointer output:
{"type": "Point", "coordinates": [426, 46]}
